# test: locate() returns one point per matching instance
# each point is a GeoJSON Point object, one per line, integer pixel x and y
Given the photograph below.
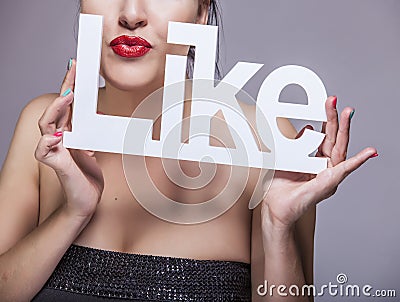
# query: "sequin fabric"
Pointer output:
{"type": "Point", "coordinates": [102, 273]}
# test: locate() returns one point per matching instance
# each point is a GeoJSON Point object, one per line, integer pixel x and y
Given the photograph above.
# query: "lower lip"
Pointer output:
{"type": "Point", "coordinates": [127, 51]}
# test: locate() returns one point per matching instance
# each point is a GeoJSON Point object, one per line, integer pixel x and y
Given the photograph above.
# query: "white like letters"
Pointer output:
{"type": "Point", "coordinates": [207, 100]}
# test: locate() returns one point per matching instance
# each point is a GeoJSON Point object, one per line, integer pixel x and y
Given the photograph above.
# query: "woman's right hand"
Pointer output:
{"type": "Point", "coordinates": [77, 170]}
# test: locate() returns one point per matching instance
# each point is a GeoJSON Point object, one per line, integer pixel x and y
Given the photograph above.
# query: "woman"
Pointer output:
{"type": "Point", "coordinates": [73, 231]}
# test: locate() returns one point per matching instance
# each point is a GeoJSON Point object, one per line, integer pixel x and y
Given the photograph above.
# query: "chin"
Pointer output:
{"type": "Point", "coordinates": [132, 76]}
{"type": "Point", "coordinates": [124, 84]}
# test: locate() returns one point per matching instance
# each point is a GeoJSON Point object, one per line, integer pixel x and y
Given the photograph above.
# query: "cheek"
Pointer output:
{"type": "Point", "coordinates": [176, 10]}
{"type": "Point", "coordinates": [99, 7]}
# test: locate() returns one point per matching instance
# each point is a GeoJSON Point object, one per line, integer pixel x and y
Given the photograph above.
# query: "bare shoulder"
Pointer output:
{"type": "Point", "coordinates": [27, 126]}
{"type": "Point", "coordinates": [27, 133]}
{"type": "Point", "coordinates": [36, 106]}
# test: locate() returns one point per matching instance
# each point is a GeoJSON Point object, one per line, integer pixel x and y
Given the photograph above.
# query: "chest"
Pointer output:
{"type": "Point", "coordinates": [132, 182]}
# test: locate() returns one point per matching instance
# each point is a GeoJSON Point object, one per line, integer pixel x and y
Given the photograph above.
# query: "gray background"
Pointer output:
{"type": "Point", "coordinates": [353, 45]}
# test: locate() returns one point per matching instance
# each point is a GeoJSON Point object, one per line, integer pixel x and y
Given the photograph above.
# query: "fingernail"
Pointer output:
{"type": "Point", "coordinates": [352, 113]}
{"type": "Point", "coordinates": [334, 101]}
{"type": "Point", "coordinates": [374, 155]}
{"type": "Point", "coordinates": [58, 134]}
{"type": "Point", "coordinates": [68, 91]}
{"type": "Point", "coordinates": [69, 64]}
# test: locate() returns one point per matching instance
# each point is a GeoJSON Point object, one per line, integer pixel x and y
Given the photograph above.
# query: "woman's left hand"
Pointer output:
{"type": "Point", "coordinates": [292, 194]}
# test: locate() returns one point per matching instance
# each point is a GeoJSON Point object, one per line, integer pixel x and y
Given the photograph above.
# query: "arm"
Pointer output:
{"type": "Point", "coordinates": [291, 196]}
{"type": "Point", "coordinates": [304, 229]}
{"type": "Point", "coordinates": [291, 256]}
{"type": "Point", "coordinates": [30, 253]}
{"type": "Point", "coordinates": [287, 262]}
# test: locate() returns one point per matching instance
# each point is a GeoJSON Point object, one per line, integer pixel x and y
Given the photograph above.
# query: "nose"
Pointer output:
{"type": "Point", "coordinates": [133, 14]}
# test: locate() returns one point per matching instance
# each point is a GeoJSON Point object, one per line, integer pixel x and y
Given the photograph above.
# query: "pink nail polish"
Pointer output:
{"type": "Point", "coordinates": [374, 155]}
{"type": "Point", "coordinates": [58, 134]}
{"type": "Point", "coordinates": [334, 102]}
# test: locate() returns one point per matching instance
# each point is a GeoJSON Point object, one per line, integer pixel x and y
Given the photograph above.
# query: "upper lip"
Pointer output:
{"type": "Point", "coordinates": [130, 41]}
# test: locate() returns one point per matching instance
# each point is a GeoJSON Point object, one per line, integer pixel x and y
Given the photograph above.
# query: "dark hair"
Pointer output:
{"type": "Point", "coordinates": [214, 18]}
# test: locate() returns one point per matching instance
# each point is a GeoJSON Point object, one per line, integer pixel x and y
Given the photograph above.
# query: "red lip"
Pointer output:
{"type": "Point", "coordinates": [130, 46]}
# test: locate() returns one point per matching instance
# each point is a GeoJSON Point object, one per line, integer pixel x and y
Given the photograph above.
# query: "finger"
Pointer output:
{"type": "Point", "coordinates": [330, 128]}
{"type": "Point", "coordinates": [339, 152]}
{"type": "Point", "coordinates": [54, 115]}
{"type": "Point", "coordinates": [67, 86]}
{"type": "Point", "coordinates": [327, 181]}
{"type": "Point", "coordinates": [46, 144]}
{"type": "Point", "coordinates": [346, 167]}
{"type": "Point", "coordinates": [68, 83]}
{"type": "Point", "coordinates": [300, 134]}
{"type": "Point", "coordinates": [64, 123]}
{"type": "Point", "coordinates": [69, 79]}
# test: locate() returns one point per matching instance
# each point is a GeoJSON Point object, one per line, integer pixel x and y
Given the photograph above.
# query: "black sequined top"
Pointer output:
{"type": "Point", "coordinates": [89, 274]}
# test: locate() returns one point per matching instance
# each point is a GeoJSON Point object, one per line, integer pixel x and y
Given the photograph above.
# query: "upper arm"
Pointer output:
{"type": "Point", "coordinates": [19, 177]}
